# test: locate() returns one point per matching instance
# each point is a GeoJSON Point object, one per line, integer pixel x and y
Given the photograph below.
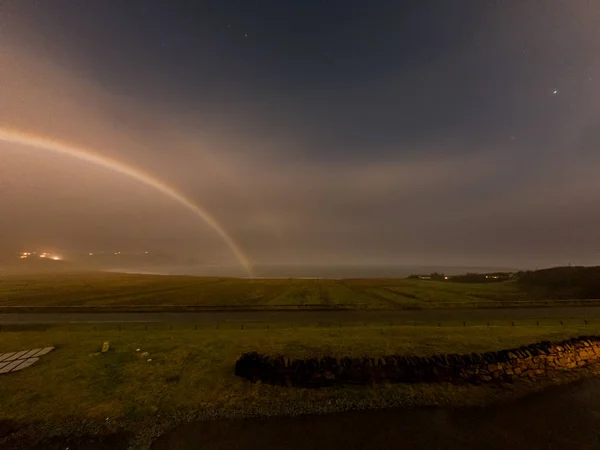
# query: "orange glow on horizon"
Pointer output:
{"type": "Point", "coordinates": [29, 140]}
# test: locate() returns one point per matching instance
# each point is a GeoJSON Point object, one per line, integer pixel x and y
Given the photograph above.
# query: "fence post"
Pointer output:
{"type": "Point", "coordinates": [585, 321]}
{"type": "Point", "coordinates": [513, 323]}
{"type": "Point", "coordinates": [217, 325]}
{"type": "Point", "coordinates": [464, 323]}
{"type": "Point", "coordinates": [537, 323]}
{"type": "Point", "coordinates": [561, 322]}
{"type": "Point", "coordinates": [439, 324]}
{"type": "Point", "coordinates": [488, 324]}
{"type": "Point", "coordinates": [146, 327]}
{"type": "Point", "coordinates": [242, 327]}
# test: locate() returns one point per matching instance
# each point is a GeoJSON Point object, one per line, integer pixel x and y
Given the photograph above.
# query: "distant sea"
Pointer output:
{"type": "Point", "coordinates": [311, 271]}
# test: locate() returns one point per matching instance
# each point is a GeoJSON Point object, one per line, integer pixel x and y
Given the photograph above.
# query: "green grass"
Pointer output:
{"type": "Point", "coordinates": [115, 289]}
{"type": "Point", "coordinates": [193, 369]}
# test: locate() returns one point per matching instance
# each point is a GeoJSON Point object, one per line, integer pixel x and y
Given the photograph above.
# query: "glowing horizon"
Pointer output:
{"type": "Point", "coordinates": [42, 143]}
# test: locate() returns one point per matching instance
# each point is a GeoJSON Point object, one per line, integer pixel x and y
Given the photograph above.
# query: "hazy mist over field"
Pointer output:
{"type": "Point", "coordinates": [387, 140]}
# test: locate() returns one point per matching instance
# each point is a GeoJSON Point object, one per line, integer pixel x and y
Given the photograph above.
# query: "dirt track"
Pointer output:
{"type": "Point", "coordinates": [474, 316]}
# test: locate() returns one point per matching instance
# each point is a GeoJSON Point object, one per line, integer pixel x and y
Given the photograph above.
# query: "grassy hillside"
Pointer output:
{"type": "Point", "coordinates": [114, 289]}
{"type": "Point", "coordinates": [188, 369]}
{"type": "Point", "coordinates": [562, 282]}
{"type": "Point", "coordinates": [119, 289]}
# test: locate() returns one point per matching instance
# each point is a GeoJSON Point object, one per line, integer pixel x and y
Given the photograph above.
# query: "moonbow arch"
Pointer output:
{"type": "Point", "coordinates": [43, 143]}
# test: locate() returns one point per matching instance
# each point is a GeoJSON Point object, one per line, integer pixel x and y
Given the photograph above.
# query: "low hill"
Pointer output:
{"type": "Point", "coordinates": [562, 282]}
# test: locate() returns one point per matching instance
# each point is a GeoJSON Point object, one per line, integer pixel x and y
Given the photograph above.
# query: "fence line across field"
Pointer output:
{"type": "Point", "coordinates": [273, 326]}
{"type": "Point", "coordinates": [487, 304]}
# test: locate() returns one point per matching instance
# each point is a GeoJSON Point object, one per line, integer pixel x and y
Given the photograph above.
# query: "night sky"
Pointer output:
{"type": "Point", "coordinates": [408, 132]}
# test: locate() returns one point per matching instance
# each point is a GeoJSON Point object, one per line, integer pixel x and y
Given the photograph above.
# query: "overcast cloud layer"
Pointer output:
{"type": "Point", "coordinates": [332, 133]}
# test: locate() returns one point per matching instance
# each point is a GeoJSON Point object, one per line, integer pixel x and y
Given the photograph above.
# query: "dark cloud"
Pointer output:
{"type": "Point", "coordinates": [415, 132]}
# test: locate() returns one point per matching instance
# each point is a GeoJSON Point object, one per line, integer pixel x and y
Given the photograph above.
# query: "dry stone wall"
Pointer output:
{"type": "Point", "coordinates": [505, 365]}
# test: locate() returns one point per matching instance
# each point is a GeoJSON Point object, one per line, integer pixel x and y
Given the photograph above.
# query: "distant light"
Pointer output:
{"type": "Point", "coordinates": [91, 254]}
{"type": "Point", "coordinates": [146, 253]}
{"type": "Point", "coordinates": [445, 278]}
{"type": "Point", "coordinates": [56, 258]}
{"type": "Point", "coordinates": [43, 255]}
{"type": "Point", "coordinates": [555, 91]}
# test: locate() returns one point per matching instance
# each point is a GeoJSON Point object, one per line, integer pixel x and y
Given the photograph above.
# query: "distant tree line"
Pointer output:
{"type": "Point", "coordinates": [494, 277]}
{"type": "Point", "coordinates": [430, 276]}
{"type": "Point", "coordinates": [560, 283]}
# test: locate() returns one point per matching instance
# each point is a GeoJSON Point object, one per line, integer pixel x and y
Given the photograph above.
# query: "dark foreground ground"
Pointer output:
{"type": "Point", "coordinates": [563, 417]}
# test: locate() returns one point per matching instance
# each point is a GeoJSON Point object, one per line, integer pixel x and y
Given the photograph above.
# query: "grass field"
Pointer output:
{"type": "Point", "coordinates": [193, 369]}
{"type": "Point", "coordinates": [116, 289]}
{"type": "Point", "coordinates": [187, 373]}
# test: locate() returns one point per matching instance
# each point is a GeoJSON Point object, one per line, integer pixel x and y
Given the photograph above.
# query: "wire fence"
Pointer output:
{"type": "Point", "coordinates": [488, 303]}
{"type": "Point", "coordinates": [222, 326]}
